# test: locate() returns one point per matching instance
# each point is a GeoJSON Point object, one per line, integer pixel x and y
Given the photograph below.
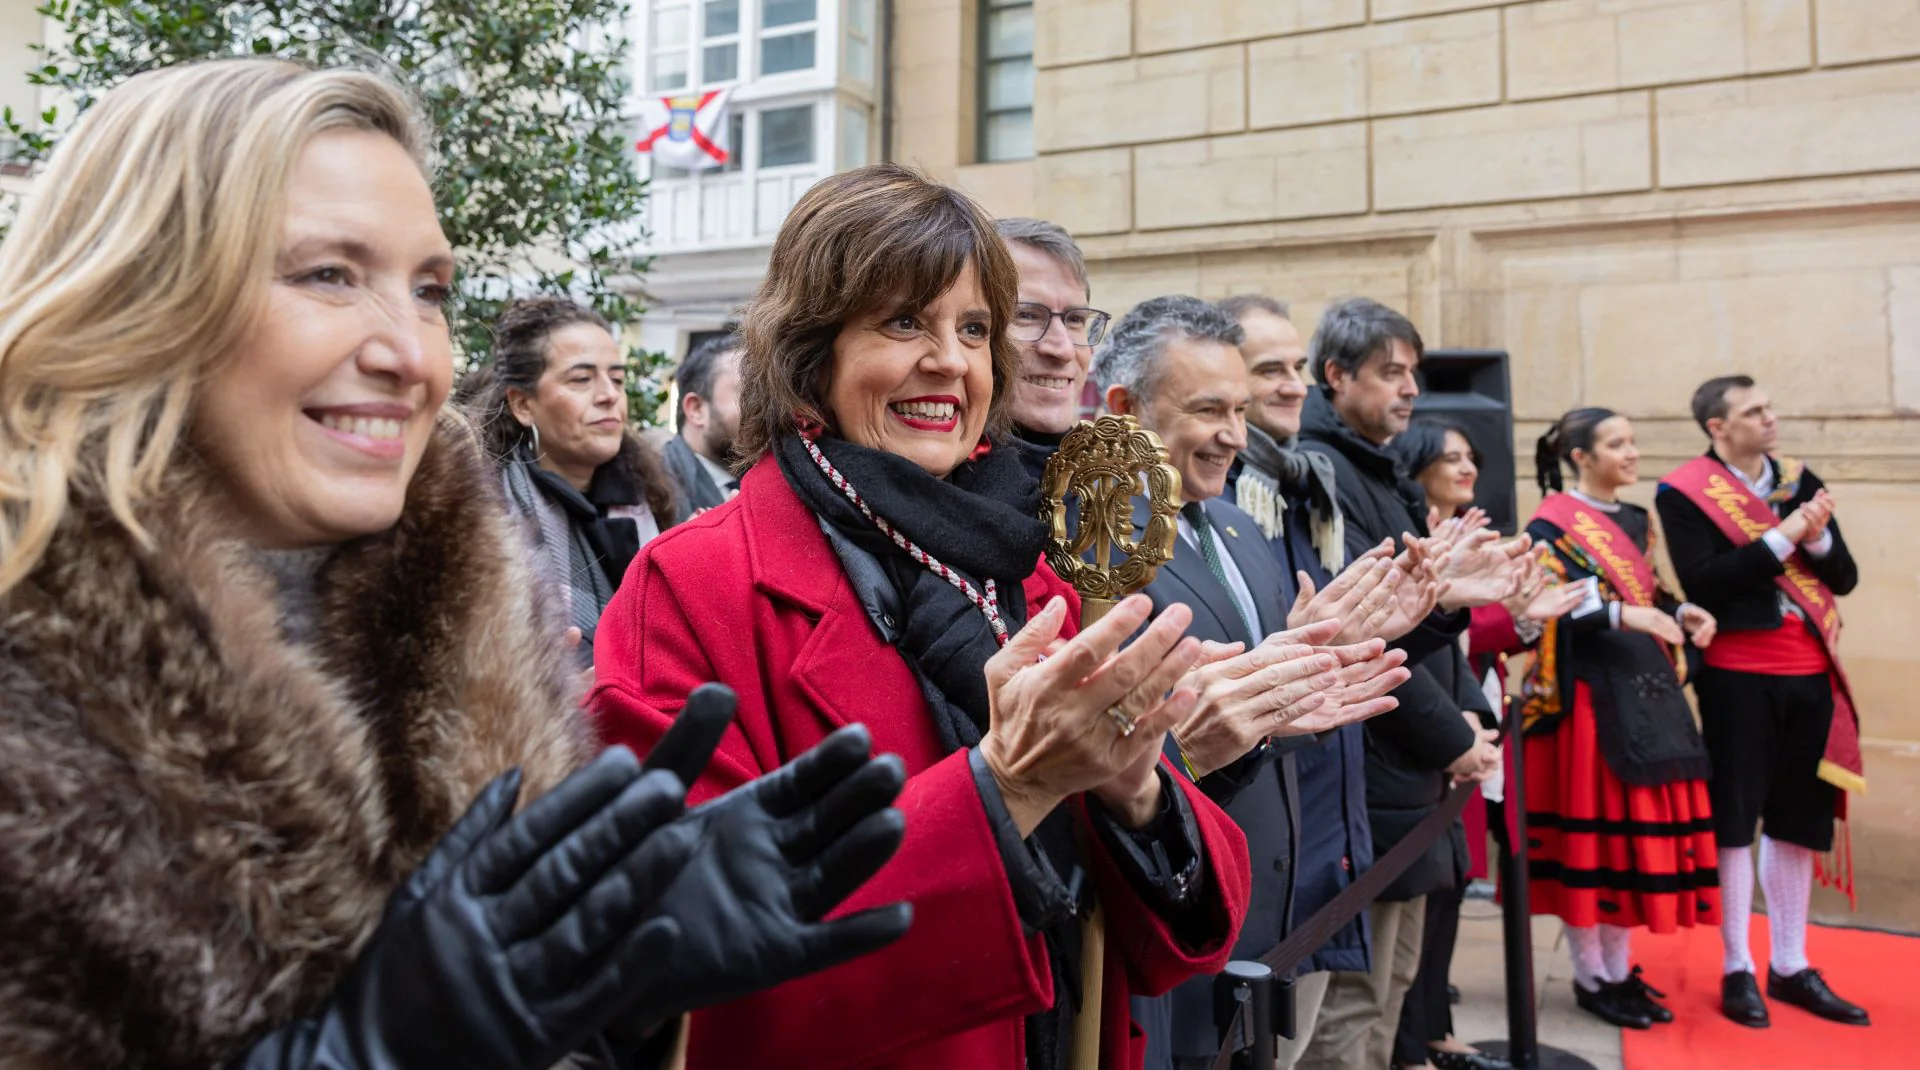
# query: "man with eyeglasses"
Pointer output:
{"type": "Point", "coordinates": [1056, 332]}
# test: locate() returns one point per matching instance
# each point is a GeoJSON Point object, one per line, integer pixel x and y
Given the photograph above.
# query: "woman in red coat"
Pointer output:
{"type": "Point", "coordinates": [881, 565]}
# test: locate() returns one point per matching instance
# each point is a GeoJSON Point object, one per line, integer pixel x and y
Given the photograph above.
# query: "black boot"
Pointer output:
{"type": "Point", "coordinates": [1807, 989]}
{"type": "Point", "coordinates": [1613, 1005]}
{"type": "Point", "coordinates": [1643, 995]}
{"type": "Point", "coordinates": [1740, 999]}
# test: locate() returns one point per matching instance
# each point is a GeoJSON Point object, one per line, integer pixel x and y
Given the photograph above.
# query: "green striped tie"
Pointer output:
{"type": "Point", "coordinates": [1203, 534]}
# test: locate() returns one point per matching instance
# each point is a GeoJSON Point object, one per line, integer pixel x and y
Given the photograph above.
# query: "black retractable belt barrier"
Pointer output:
{"type": "Point", "coordinates": [1236, 1038]}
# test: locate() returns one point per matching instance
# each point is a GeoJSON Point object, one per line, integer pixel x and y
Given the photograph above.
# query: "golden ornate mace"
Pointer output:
{"type": "Point", "coordinates": [1104, 463]}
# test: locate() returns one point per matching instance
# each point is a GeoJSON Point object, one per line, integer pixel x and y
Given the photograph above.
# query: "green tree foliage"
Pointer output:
{"type": "Point", "coordinates": [533, 174]}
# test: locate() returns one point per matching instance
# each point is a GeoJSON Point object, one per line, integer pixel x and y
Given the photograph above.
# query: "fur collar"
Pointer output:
{"type": "Point", "coordinates": [199, 822]}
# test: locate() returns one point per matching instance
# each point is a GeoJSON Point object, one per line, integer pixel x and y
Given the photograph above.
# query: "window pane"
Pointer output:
{"type": "Point", "coordinates": [1010, 33]}
{"type": "Point", "coordinates": [786, 136]}
{"type": "Point", "coordinates": [1009, 84]}
{"type": "Point", "coordinates": [669, 27]}
{"type": "Point", "coordinates": [719, 63]}
{"type": "Point", "coordinates": [785, 12]}
{"type": "Point", "coordinates": [1010, 136]}
{"type": "Point", "coordinates": [669, 70]}
{"type": "Point", "coordinates": [860, 58]}
{"type": "Point", "coordinates": [790, 52]}
{"type": "Point", "coordinates": [860, 17]}
{"type": "Point", "coordinates": [736, 140]}
{"type": "Point", "coordinates": [723, 17]}
{"type": "Point", "coordinates": [853, 137]}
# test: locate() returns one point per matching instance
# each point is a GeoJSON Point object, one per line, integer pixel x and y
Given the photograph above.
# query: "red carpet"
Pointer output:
{"type": "Point", "coordinates": [1879, 971]}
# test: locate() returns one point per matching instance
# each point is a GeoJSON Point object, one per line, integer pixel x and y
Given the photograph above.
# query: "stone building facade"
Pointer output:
{"type": "Point", "coordinates": [1629, 196]}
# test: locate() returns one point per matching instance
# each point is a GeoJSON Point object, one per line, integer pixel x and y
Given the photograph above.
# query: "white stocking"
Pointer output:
{"type": "Point", "coordinates": [1589, 968]}
{"type": "Point", "coordinates": [1736, 908]}
{"type": "Point", "coordinates": [1786, 875]}
{"type": "Point", "coordinates": [1616, 951]}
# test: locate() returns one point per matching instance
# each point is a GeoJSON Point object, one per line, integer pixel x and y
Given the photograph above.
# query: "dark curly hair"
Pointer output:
{"type": "Point", "coordinates": [519, 360]}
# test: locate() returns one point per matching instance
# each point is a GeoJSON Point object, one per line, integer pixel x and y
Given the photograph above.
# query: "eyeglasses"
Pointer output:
{"type": "Point", "coordinates": [1085, 326]}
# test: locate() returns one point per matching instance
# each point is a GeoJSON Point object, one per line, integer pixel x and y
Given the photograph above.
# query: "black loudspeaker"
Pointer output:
{"type": "Point", "coordinates": [1470, 387]}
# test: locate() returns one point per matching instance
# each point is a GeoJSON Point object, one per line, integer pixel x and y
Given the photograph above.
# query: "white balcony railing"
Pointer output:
{"type": "Point", "coordinates": [715, 210]}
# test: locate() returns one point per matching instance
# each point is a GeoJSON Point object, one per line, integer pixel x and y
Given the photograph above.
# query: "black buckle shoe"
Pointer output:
{"type": "Point", "coordinates": [1740, 1000]}
{"type": "Point", "coordinates": [1808, 990]}
{"type": "Point", "coordinates": [1612, 1005]}
{"type": "Point", "coordinates": [1643, 995]}
{"type": "Point", "coordinates": [1466, 1060]}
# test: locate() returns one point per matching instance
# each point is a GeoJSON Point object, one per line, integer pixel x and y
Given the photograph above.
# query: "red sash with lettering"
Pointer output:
{"type": "Point", "coordinates": [1603, 546]}
{"type": "Point", "coordinates": [1744, 518]}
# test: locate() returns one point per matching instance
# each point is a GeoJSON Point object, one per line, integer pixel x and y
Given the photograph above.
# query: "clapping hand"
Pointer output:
{"type": "Point", "coordinates": [1699, 624]}
{"type": "Point", "coordinates": [1541, 600]}
{"type": "Point", "coordinates": [1361, 598]}
{"type": "Point", "coordinates": [1807, 523]}
{"type": "Point", "coordinates": [1087, 715]}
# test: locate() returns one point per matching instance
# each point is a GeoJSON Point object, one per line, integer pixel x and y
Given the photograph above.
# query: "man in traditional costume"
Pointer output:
{"type": "Point", "coordinates": [1754, 542]}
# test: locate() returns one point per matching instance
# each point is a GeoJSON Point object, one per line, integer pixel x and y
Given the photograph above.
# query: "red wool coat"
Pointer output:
{"type": "Point", "coordinates": [750, 594]}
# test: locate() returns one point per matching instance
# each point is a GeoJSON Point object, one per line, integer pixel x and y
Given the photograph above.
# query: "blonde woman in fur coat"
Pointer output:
{"type": "Point", "coordinates": [274, 681]}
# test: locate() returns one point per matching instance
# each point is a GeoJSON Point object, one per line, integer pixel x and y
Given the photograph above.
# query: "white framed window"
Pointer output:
{"type": "Point", "coordinates": [787, 35]}
{"type": "Point", "coordinates": [855, 132]}
{"type": "Point", "coordinates": [786, 137]}
{"type": "Point", "coordinates": [668, 39]}
{"type": "Point", "coordinates": [860, 39]}
{"type": "Point", "coordinates": [719, 41]}
{"type": "Point", "coordinates": [1006, 80]}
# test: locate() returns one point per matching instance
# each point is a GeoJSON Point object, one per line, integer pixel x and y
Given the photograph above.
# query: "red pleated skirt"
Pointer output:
{"type": "Point", "coordinates": [1604, 852]}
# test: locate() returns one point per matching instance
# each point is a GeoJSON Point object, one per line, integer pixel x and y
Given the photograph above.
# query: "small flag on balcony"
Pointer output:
{"type": "Point", "coordinates": [688, 130]}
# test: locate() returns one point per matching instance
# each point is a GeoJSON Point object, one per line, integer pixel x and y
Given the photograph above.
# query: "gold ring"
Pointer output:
{"type": "Point", "coordinates": [1121, 721]}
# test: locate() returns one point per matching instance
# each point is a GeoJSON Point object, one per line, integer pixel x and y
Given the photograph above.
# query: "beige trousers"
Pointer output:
{"type": "Point", "coordinates": [1360, 1012]}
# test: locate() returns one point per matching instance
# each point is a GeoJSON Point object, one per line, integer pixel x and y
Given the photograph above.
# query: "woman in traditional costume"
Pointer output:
{"type": "Point", "coordinates": [1617, 818]}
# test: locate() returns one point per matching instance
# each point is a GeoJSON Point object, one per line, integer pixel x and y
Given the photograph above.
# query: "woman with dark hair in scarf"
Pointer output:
{"type": "Point", "coordinates": [1617, 810]}
{"type": "Point", "coordinates": [882, 565]}
{"type": "Point", "coordinates": [1440, 456]}
{"type": "Point", "coordinates": [552, 407]}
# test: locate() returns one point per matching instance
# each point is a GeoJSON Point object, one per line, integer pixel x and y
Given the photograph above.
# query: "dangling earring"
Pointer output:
{"type": "Point", "coordinates": [534, 430]}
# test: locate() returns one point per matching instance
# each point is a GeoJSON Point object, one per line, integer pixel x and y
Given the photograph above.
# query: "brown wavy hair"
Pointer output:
{"type": "Point", "coordinates": [878, 237]}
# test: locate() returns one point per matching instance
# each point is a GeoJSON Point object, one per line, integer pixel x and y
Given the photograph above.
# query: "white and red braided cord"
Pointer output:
{"type": "Point", "coordinates": [988, 603]}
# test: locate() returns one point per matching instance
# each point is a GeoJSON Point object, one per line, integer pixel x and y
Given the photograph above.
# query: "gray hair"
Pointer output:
{"type": "Point", "coordinates": [1049, 238]}
{"type": "Point", "coordinates": [1239, 305]}
{"type": "Point", "coordinates": [1132, 354]}
{"type": "Point", "coordinates": [1352, 331]}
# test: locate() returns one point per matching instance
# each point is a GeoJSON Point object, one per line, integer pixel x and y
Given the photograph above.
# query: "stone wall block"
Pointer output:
{"type": "Point", "coordinates": [1563, 148]}
{"type": "Point", "coordinates": [1821, 123]}
{"type": "Point", "coordinates": [1394, 68]}
{"type": "Point", "coordinates": [1855, 31]}
{"type": "Point", "coordinates": [1170, 25]}
{"type": "Point", "coordinates": [1150, 98]}
{"type": "Point", "coordinates": [1384, 10]}
{"type": "Point", "coordinates": [1081, 31]}
{"type": "Point", "coordinates": [1086, 192]}
{"type": "Point", "coordinates": [1281, 174]}
{"type": "Point", "coordinates": [1592, 46]}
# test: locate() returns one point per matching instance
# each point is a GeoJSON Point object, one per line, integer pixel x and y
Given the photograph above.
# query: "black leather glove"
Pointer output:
{"type": "Point", "coordinates": [516, 940]}
{"type": "Point", "coordinates": [770, 860]}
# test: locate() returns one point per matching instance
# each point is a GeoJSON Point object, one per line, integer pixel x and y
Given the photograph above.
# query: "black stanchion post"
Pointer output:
{"type": "Point", "coordinates": [1243, 996]}
{"type": "Point", "coordinates": [1522, 1047]}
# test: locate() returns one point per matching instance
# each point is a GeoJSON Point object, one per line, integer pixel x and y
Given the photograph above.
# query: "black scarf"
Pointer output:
{"type": "Point", "coordinates": [981, 521]}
